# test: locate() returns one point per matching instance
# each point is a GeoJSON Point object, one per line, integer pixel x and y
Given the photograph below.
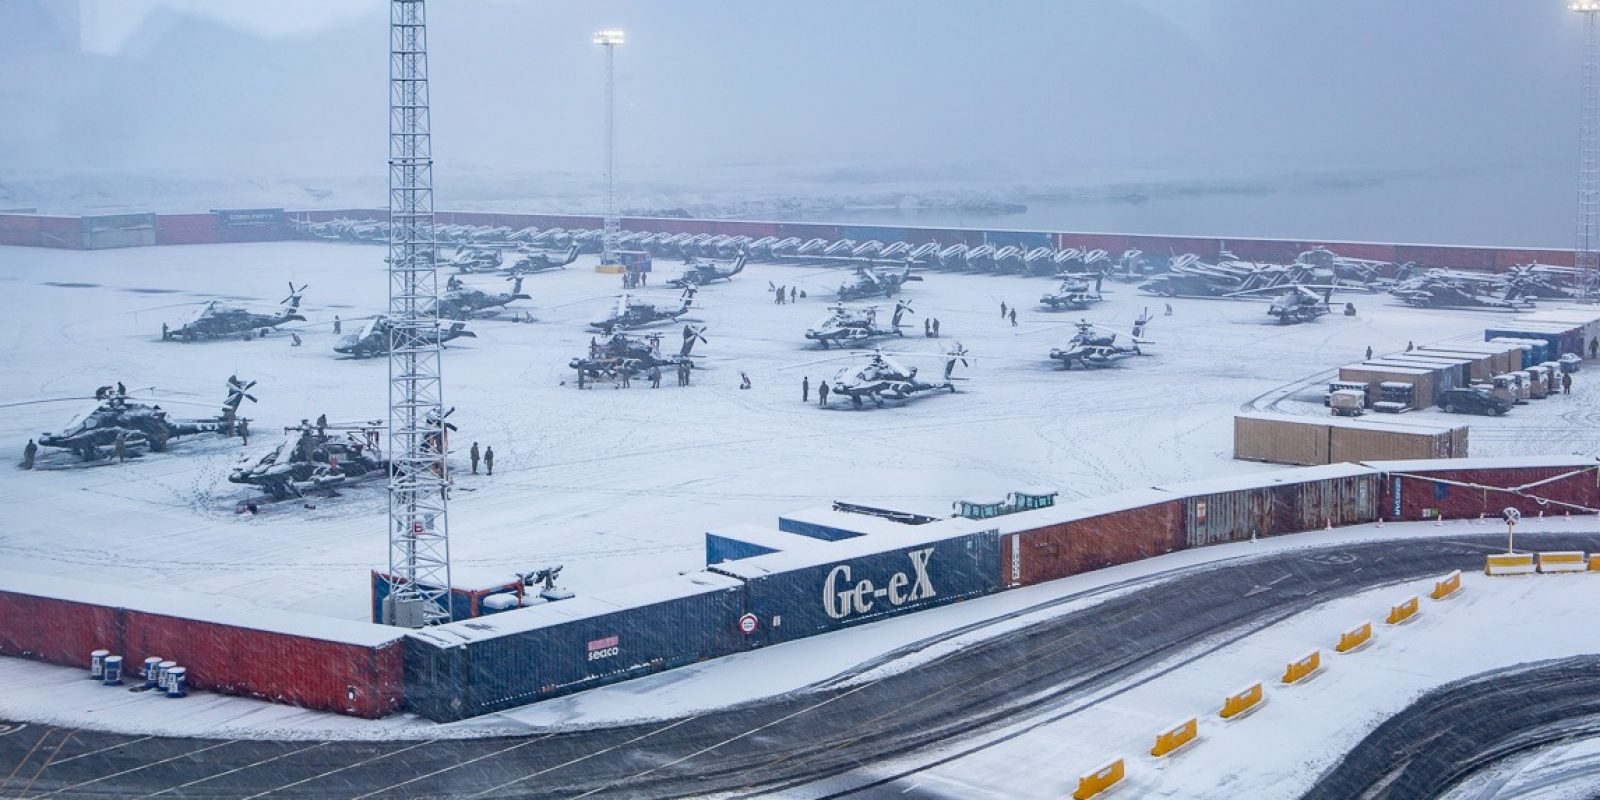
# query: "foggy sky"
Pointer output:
{"type": "Point", "coordinates": [1035, 89]}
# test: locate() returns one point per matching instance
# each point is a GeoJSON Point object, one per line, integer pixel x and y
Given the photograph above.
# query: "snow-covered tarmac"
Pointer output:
{"type": "Point", "coordinates": [619, 485]}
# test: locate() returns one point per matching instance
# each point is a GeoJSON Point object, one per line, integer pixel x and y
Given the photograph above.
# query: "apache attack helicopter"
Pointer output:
{"type": "Point", "coordinates": [137, 425]}
{"type": "Point", "coordinates": [541, 260]}
{"type": "Point", "coordinates": [1299, 304]}
{"type": "Point", "coordinates": [884, 378]}
{"type": "Point", "coordinates": [216, 320]}
{"type": "Point", "coordinates": [635, 355]}
{"type": "Point", "coordinates": [1094, 346]}
{"type": "Point", "coordinates": [460, 302]}
{"type": "Point", "coordinates": [847, 326]}
{"type": "Point", "coordinates": [1442, 288]}
{"type": "Point", "coordinates": [700, 273]}
{"type": "Point", "coordinates": [373, 338]}
{"type": "Point", "coordinates": [1229, 276]}
{"type": "Point", "coordinates": [870, 282]}
{"type": "Point", "coordinates": [478, 259]}
{"type": "Point", "coordinates": [1075, 294]}
{"type": "Point", "coordinates": [312, 458]}
{"type": "Point", "coordinates": [628, 313]}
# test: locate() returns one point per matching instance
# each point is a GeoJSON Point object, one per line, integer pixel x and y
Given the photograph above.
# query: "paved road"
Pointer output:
{"type": "Point", "coordinates": [808, 741]}
{"type": "Point", "coordinates": [1467, 726]}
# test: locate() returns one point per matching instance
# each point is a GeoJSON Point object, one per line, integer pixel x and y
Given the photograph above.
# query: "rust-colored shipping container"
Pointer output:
{"type": "Point", "coordinates": [1113, 243]}
{"type": "Point", "coordinates": [365, 680]}
{"type": "Point", "coordinates": [808, 230]}
{"type": "Point", "coordinates": [1535, 486]}
{"type": "Point", "coordinates": [1300, 441]}
{"type": "Point", "coordinates": [1421, 380]}
{"type": "Point", "coordinates": [1271, 251]}
{"type": "Point", "coordinates": [1506, 258]}
{"type": "Point", "coordinates": [186, 229]}
{"type": "Point", "coordinates": [64, 232]}
{"type": "Point", "coordinates": [19, 229]}
{"type": "Point", "coordinates": [1363, 250]}
{"type": "Point", "coordinates": [1088, 534]}
{"type": "Point", "coordinates": [1480, 259]}
{"type": "Point", "coordinates": [1273, 503]}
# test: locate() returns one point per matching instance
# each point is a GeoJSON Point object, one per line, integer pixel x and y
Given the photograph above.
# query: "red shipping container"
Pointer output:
{"type": "Point", "coordinates": [1110, 242]}
{"type": "Point", "coordinates": [1371, 252]}
{"type": "Point", "coordinates": [1171, 246]}
{"type": "Point", "coordinates": [809, 230]}
{"type": "Point", "coordinates": [364, 680]}
{"type": "Point", "coordinates": [1086, 540]}
{"type": "Point", "coordinates": [62, 232]}
{"type": "Point", "coordinates": [1468, 258]}
{"type": "Point", "coordinates": [19, 229]}
{"type": "Point", "coordinates": [1271, 251]}
{"type": "Point", "coordinates": [186, 229]}
{"type": "Point", "coordinates": [754, 230]}
{"type": "Point", "coordinates": [1430, 489]}
{"type": "Point", "coordinates": [58, 631]}
{"type": "Point", "coordinates": [1505, 259]}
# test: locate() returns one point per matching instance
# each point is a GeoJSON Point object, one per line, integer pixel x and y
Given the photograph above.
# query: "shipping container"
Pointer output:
{"type": "Point", "coordinates": [1284, 501]}
{"type": "Point", "coordinates": [1087, 534]}
{"type": "Point", "coordinates": [364, 678]}
{"type": "Point", "coordinates": [119, 230]}
{"type": "Point", "coordinates": [1490, 358]}
{"type": "Point", "coordinates": [1110, 242]}
{"type": "Point", "coordinates": [1359, 440]}
{"type": "Point", "coordinates": [1477, 259]}
{"type": "Point", "coordinates": [803, 593]}
{"type": "Point", "coordinates": [1166, 246]}
{"type": "Point", "coordinates": [20, 229]}
{"type": "Point", "coordinates": [1361, 250]}
{"type": "Point", "coordinates": [1536, 486]}
{"type": "Point", "coordinates": [1301, 441]}
{"type": "Point", "coordinates": [807, 230]}
{"type": "Point", "coordinates": [64, 232]}
{"type": "Point", "coordinates": [1023, 239]}
{"type": "Point", "coordinates": [734, 542]}
{"type": "Point", "coordinates": [1457, 368]}
{"type": "Point", "coordinates": [1421, 379]}
{"type": "Point", "coordinates": [1559, 339]}
{"type": "Point", "coordinates": [510, 659]}
{"type": "Point", "coordinates": [56, 630]}
{"type": "Point", "coordinates": [186, 229]}
{"type": "Point", "coordinates": [1480, 366]}
{"type": "Point", "coordinates": [1270, 251]}
{"type": "Point", "coordinates": [832, 524]}
{"type": "Point", "coordinates": [251, 224]}
{"type": "Point", "coordinates": [1529, 351]}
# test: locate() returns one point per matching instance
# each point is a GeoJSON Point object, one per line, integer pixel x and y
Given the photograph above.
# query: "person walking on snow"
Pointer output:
{"type": "Point", "coordinates": [1013, 318]}
{"type": "Point", "coordinates": [792, 292]}
{"type": "Point", "coordinates": [927, 327]}
{"type": "Point", "coordinates": [655, 377]}
{"type": "Point", "coordinates": [1566, 383]}
{"type": "Point", "coordinates": [337, 325]}
{"type": "Point", "coordinates": [1169, 309]}
{"type": "Point", "coordinates": [1002, 309]}
{"type": "Point", "coordinates": [1369, 352]}
{"type": "Point", "coordinates": [805, 389]}
{"type": "Point", "coordinates": [935, 327]}
{"type": "Point", "coordinates": [474, 455]}
{"type": "Point", "coordinates": [822, 393]}
{"type": "Point", "coordinates": [488, 460]}
{"type": "Point", "coordinates": [120, 447]}
{"type": "Point", "coordinates": [29, 453]}
{"type": "Point", "coordinates": [244, 432]}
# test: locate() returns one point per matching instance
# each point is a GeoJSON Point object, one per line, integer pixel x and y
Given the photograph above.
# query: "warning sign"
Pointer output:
{"type": "Point", "coordinates": [747, 624]}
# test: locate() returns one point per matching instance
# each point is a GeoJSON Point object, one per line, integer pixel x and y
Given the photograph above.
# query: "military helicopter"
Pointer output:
{"type": "Point", "coordinates": [460, 302]}
{"type": "Point", "coordinates": [542, 260]}
{"type": "Point", "coordinates": [1299, 304]}
{"type": "Point", "coordinates": [1442, 288]}
{"type": "Point", "coordinates": [315, 457]}
{"type": "Point", "coordinates": [851, 326]}
{"type": "Point", "coordinates": [478, 259]}
{"type": "Point", "coordinates": [138, 425]}
{"type": "Point", "coordinates": [216, 320]}
{"type": "Point", "coordinates": [635, 354]}
{"type": "Point", "coordinates": [628, 313]}
{"type": "Point", "coordinates": [1093, 346]}
{"type": "Point", "coordinates": [700, 273]}
{"type": "Point", "coordinates": [870, 282]}
{"type": "Point", "coordinates": [373, 338]}
{"type": "Point", "coordinates": [885, 378]}
{"type": "Point", "coordinates": [1191, 277]}
{"type": "Point", "coordinates": [1074, 294]}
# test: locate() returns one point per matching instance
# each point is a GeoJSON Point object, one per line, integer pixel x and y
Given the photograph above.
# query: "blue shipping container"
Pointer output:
{"type": "Point", "coordinates": [1540, 355]}
{"type": "Point", "coordinates": [510, 659]}
{"type": "Point", "coordinates": [800, 594]}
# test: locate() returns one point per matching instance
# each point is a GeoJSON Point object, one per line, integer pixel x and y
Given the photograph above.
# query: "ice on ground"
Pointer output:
{"type": "Point", "coordinates": [620, 485]}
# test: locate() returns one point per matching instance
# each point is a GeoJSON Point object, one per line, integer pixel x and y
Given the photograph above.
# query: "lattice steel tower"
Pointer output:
{"type": "Point", "coordinates": [1587, 256]}
{"type": "Point", "coordinates": [610, 39]}
{"type": "Point", "coordinates": [419, 531]}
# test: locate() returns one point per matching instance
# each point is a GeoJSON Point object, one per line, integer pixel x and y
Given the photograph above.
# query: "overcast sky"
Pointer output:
{"type": "Point", "coordinates": [1033, 87]}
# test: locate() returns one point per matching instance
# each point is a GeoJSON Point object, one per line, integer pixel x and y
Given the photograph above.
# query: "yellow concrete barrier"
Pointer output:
{"type": "Point", "coordinates": [1100, 780]}
{"type": "Point", "coordinates": [609, 269]}
{"type": "Point", "coordinates": [1355, 637]}
{"type": "Point", "coordinates": [1241, 701]}
{"type": "Point", "coordinates": [1449, 586]}
{"type": "Point", "coordinates": [1175, 737]}
{"type": "Point", "coordinates": [1404, 611]}
{"type": "Point", "coordinates": [1509, 564]}
{"type": "Point", "coordinates": [1594, 562]}
{"type": "Point", "coordinates": [1302, 669]}
{"type": "Point", "coordinates": [1563, 562]}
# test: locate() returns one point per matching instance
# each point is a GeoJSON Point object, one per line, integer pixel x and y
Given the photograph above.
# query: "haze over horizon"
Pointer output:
{"type": "Point", "coordinates": [723, 101]}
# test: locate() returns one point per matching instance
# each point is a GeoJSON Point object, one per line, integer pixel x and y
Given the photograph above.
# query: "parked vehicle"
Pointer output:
{"type": "Point", "coordinates": [1472, 400]}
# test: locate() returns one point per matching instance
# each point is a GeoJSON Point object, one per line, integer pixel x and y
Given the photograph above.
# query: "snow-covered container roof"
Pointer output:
{"type": "Point", "coordinates": [1279, 477]}
{"type": "Point", "coordinates": [829, 517]}
{"type": "Point", "coordinates": [202, 608]}
{"type": "Point", "coordinates": [763, 536]}
{"type": "Point", "coordinates": [562, 611]}
{"type": "Point", "coordinates": [933, 532]}
{"type": "Point", "coordinates": [1504, 462]}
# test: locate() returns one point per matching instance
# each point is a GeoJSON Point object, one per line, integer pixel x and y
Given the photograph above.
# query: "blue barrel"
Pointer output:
{"type": "Point", "coordinates": [152, 671]}
{"type": "Point", "coordinates": [177, 682]}
{"type": "Point", "coordinates": [113, 671]}
{"type": "Point", "coordinates": [97, 664]}
{"type": "Point", "coordinates": [161, 673]}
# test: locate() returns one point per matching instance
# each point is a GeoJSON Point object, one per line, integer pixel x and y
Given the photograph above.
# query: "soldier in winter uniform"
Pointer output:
{"type": "Point", "coordinates": [488, 460]}
{"type": "Point", "coordinates": [28, 454]}
{"type": "Point", "coordinates": [822, 393]}
{"type": "Point", "coordinates": [474, 456]}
